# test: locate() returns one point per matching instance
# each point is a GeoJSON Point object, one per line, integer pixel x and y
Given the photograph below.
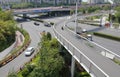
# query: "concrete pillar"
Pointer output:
{"type": "Point", "coordinates": [101, 21]}
{"type": "Point", "coordinates": [24, 15]}
{"type": "Point", "coordinates": [111, 24]}
{"type": "Point", "coordinates": [72, 66]}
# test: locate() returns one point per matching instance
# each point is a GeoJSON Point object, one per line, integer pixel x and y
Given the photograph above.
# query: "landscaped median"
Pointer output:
{"type": "Point", "coordinates": [107, 36]}
{"type": "Point", "coordinates": [18, 50]}
{"type": "Point", "coordinates": [36, 19]}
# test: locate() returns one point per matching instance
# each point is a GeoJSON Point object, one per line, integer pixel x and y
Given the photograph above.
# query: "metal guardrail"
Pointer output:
{"type": "Point", "coordinates": [89, 65]}
{"type": "Point", "coordinates": [105, 50]}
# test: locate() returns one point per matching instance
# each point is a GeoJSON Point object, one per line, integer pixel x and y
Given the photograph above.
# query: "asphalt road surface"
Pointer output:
{"type": "Point", "coordinates": [102, 62]}
{"type": "Point", "coordinates": [34, 32]}
{"type": "Point", "coordinates": [112, 45]}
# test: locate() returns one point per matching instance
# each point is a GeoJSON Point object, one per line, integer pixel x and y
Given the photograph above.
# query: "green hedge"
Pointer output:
{"type": "Point", "coordinates": [107, 36]}
{"type": "Point", "coordinates": [51, 23]}
{"type": "Point", "coordinates": [34, 19]}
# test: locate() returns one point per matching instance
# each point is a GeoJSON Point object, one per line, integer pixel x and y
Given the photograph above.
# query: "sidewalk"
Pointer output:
{"type": "Point", "coordinates": [19, 41]}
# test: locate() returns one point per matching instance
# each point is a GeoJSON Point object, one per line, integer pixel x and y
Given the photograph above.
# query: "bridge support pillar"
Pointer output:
{"type": "Point", "coordinates": [72, 66]}
{"type": "Point", "coordinates": [101, 21]}
{"type": "Point", "coordinates": [24, 15]}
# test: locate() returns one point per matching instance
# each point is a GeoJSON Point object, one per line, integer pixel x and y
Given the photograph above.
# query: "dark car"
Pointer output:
{"type": "Point", "coordinates": [36, 23]}
{"type": "Point", "coordinates": [47, 24]}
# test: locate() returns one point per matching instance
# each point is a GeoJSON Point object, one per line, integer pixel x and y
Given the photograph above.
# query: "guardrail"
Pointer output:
{"type": "Point", "coordinates": [105, 51]}
{"type": "Point", "coordinates": [89, 65]}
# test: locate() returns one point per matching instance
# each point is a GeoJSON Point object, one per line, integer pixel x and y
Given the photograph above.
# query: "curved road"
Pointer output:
{"type": "Point", "coordinates": [107, 43]}
{"type": "Point", "coordinates": [105, 64]}
{"type": "Point", "coordinates": [34, 32]}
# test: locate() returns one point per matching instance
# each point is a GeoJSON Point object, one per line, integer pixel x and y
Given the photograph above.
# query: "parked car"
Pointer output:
{"type": "Point", "coordinates": [29, 51]}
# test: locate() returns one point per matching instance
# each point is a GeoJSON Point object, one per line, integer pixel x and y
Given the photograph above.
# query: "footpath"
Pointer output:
{"type": "Point", "coordinates": [18, 42]}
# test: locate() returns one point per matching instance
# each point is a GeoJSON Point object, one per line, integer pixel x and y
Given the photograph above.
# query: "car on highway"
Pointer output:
{"type": "Point", "coordinates": [36, 23]}
{"type": "Point", "coordinates": [29, 51]}
{"type": "Point", "coordinates": [84, 30]}
{"type": "Point", "coordinates": [47, 24]}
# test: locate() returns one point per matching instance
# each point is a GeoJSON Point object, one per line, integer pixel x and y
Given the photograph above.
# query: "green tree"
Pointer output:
{"type": "Point", "coordinates": [12, 74]}
{"type": "Point", "coordinates": [50, 63]}
{"type": "Point", "coordinates": [118, 13]}
{"type": "Point", "coordinates": [0, 9]}
{"type": "Point", "coordinates": [118, 17]}
{"type": "Point", "coordinates": [7, 29]}
{"type": "Point", "coordinates": [49, 36]}
{"type": "Point", "coordinates": [72, 12]}
{"type": "Point", "coordinates": [6, 15]}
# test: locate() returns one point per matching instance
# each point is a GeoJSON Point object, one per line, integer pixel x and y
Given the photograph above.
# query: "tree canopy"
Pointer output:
{"type": "Point", "coordinates": [7, 29]}
{"type": "Point", "coordinates": [50, 63]}
{"type": "Point", "coordinates": [118, 13]}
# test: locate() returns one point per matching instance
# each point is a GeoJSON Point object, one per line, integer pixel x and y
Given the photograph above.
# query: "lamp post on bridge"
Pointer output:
{"type": "Point", "coordinates": [76, 19]}
{"type": "Point", "coordinates": [76, 24]}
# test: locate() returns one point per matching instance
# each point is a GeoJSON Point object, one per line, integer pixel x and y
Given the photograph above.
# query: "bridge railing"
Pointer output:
{"type": "Point", "coordinates": [104, 51]}
{"type": "Point", "coordinates": [87, 64]}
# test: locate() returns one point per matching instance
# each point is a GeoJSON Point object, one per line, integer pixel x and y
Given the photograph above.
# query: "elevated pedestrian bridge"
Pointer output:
{"type": "Point", "coordinates": [88, 57]}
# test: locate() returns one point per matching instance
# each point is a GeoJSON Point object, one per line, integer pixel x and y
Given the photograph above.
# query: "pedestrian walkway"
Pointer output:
{"type": "Point", "coordinates": [19, 41]}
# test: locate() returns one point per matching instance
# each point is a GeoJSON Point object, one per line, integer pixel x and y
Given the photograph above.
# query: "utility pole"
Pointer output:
{"type": "Point", "coordinates": [76, 19]}
{"type": "Point", "coordinates": [73, 59]}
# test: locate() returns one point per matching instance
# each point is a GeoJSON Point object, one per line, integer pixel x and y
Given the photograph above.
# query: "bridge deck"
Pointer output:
{"type": "Point", "coordinates": [108, 66]}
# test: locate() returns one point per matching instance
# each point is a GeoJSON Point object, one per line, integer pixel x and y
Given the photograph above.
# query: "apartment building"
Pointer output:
{"type": "Point", "coordinates": [9, 1]}
{"type": "Point", "coordinates": [57, 2]}
{"type": "Point", "coordinates": [96, 1]}
{"type": "Point", "coordinates": [36, 1]}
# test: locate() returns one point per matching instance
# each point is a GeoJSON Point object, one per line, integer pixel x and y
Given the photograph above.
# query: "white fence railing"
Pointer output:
{"type": "Point", "coordinates": [88, 65]}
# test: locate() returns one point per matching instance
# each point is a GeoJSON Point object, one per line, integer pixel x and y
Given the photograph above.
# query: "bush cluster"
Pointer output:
{"type": "Point", "coordinates": [107, 36]}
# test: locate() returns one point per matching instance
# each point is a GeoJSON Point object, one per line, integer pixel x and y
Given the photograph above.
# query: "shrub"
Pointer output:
{"type": "Point", "coordinates": [12, 74]}
{"type": "Point", "coordinates": [107, 36]}
{"type": "Point", "coordinates": [25, 72]}
{"type": "Point", "coordinates": [51, 23]}
{"type": "Point", "coordinates": [49, 37]}
{"type": "Point", "coordinates": [30, 67]}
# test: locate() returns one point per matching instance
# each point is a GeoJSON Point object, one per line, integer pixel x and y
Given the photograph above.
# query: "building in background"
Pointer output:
{"type": "Point", "coordinates": [57, 2]}
{"type": "Point", "coordinates": [97, 1]}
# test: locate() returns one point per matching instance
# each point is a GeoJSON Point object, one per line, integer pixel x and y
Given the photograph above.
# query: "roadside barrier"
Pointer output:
{"type": "Point", "coordinates": [11, 57]}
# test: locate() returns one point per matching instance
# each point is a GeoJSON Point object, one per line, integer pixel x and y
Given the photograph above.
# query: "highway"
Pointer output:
{"type": "Point", "coordinates": [108, 67]}
{"type": "Point", "coordinates": [107, 43]}
{"type": "Point", "coordinates": [82, 45]}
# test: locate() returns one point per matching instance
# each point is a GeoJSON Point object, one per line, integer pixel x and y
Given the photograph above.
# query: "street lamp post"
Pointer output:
{"type": "Point", "coordinates": [73, 59]}
{"type": "Point", "coordinates": [76, 19]}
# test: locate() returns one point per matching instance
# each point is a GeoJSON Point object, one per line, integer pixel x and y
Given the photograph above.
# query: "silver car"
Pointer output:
{"type": "Point", "coordinates": [29, 51]}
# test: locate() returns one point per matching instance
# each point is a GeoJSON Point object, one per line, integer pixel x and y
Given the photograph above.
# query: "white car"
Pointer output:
{"type": "Point", "coordinates": [29, 51]}
{"type": "Point", "coordinates": [84, 30]}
